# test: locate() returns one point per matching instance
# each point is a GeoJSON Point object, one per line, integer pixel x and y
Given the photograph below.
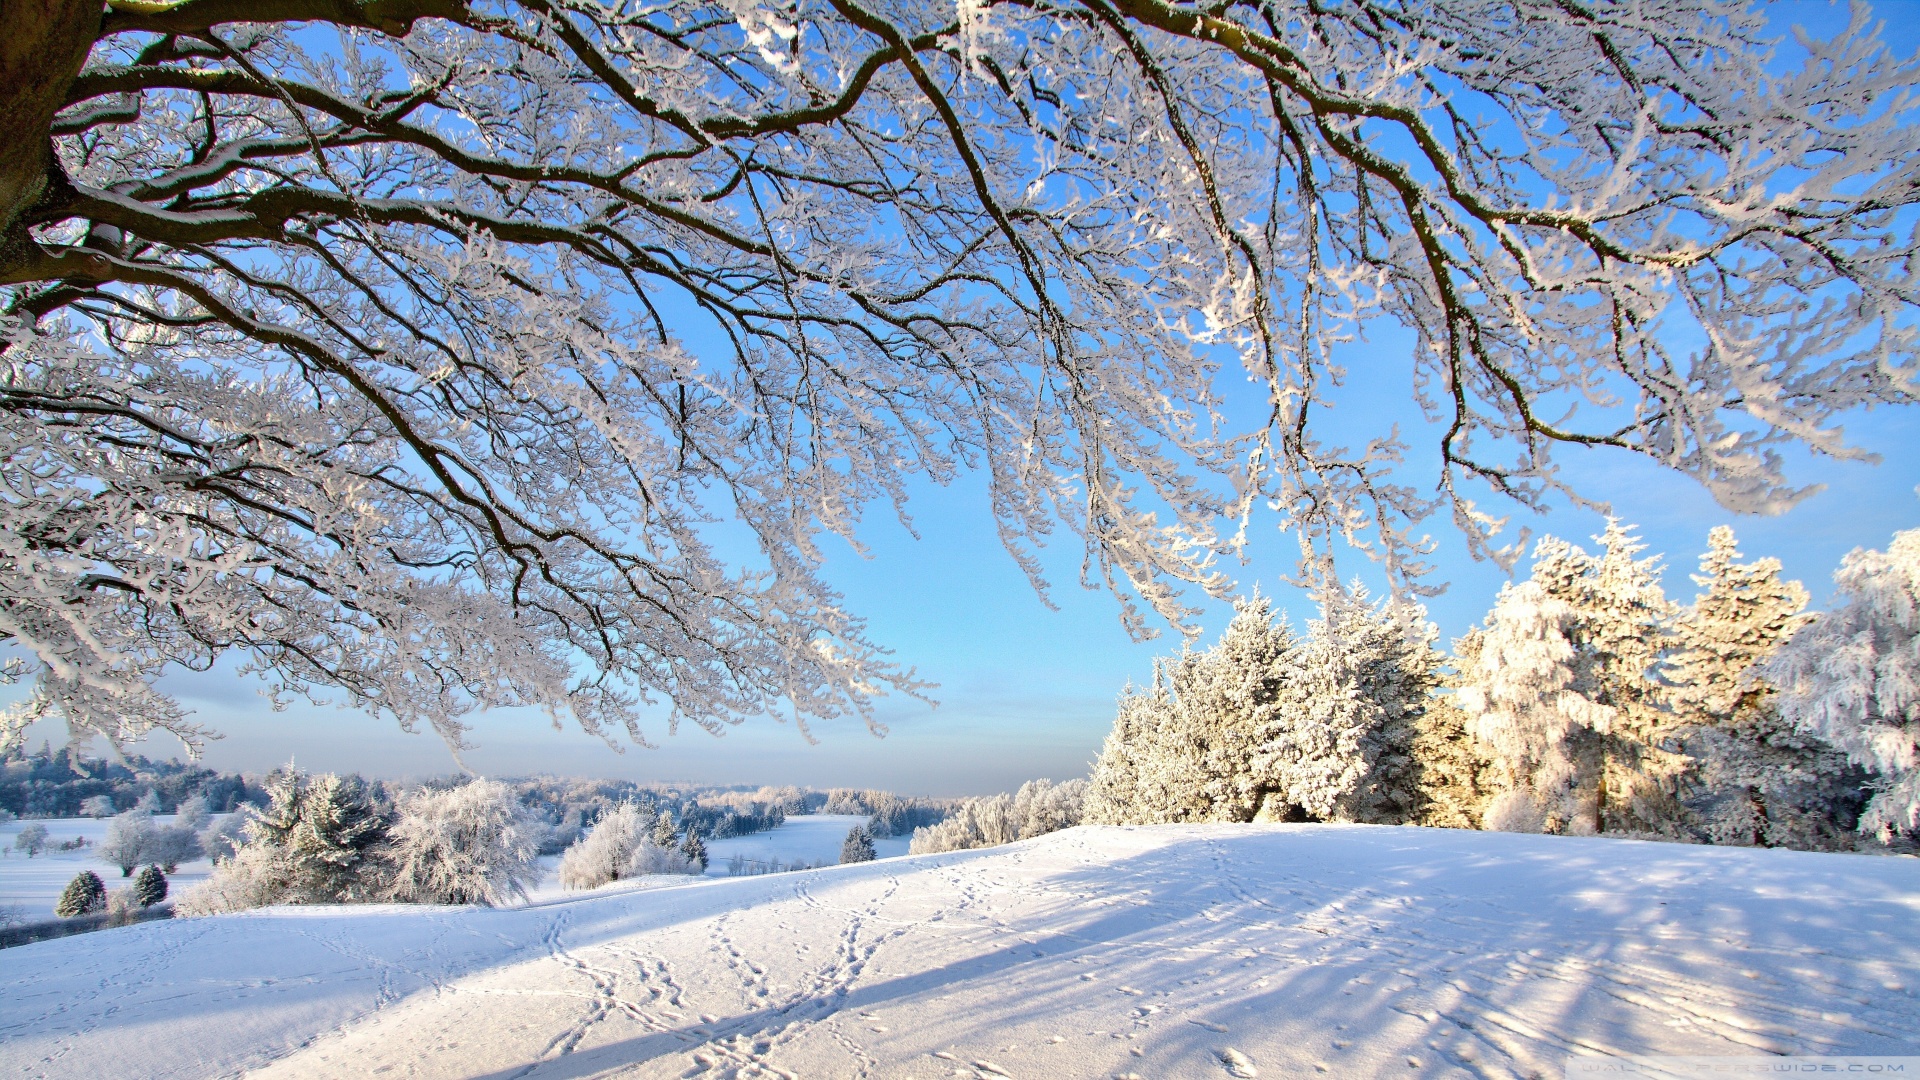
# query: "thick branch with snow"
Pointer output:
{"type": "Point", "coordinates": [418, 349]}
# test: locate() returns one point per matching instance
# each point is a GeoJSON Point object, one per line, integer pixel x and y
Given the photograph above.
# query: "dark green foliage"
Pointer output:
{"type": "Point", "coordinates": [695, 850]}
{"type": "Point", "coordinates": [858, 846]}
{"type": "Point", "coordinates": [84, 895]}
{"type": "Point", "coordinates": [149, 887]}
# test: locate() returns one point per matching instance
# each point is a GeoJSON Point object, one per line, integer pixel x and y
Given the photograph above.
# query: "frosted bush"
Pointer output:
{"type": "Point", "coordinates": [254, 876]}
{"type": "Point", "coordinates": [602, 855]}
{"type": "Point", "coordinates": [1515, 811]}
{"type": "Point", "coordinates": [474, 844]}
{"type": "Point", "coordinates": [1039, 807]}
{"type": "Point", "coordinates": [652, 858]}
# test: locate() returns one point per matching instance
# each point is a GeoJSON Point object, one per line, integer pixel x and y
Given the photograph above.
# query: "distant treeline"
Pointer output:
{"type": "Point", "coordinates": [65, 783]}
{"type": "Point", "coordinates": [50, 783]}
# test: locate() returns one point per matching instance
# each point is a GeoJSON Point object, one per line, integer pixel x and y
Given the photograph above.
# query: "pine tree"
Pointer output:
{"type": "Point", "coordinates": [1565, 694]}
{"type": "Point", "coordinates": [1759, 780]}
{"type": "Point", "coordinates": [84, 895]}
{"type": "Point", "coordinates": [149, 887]}
{"type": "Point", "coordinates": [1182, 749]}
{"type": "Point", "coordinates": [858, 846]}
{"type": "Point", "coordinates": [1852, 677]}
{"type": "Point", "coordinates": [319, 840]}
{"type": "Point", "coordinates": [664, 833]}
{"type": "Point", "coordinates": [334, 852]}
{"type": "Point", "coordinates": [694, 850]}
{"type": "Point", "coordinates": [1113, 782]}
{"type": "Point", "coordinates": [1337, 744]}
{"type": "Point", "coordinates": [1453, 785]}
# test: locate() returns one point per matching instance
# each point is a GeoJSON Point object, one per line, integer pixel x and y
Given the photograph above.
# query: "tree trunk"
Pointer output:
{"type": "Point", "coordinates": [41, 50]}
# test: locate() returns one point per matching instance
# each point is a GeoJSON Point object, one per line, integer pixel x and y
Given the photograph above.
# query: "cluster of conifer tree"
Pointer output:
{"type": "Point", "coordinates": [1586, 702]}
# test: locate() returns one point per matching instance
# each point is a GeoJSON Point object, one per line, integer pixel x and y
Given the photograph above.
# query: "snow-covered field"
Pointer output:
{"type": "Point", "coordinates": [815, 838]}
{"type": "Point", "coordinates": [1349, 951]}
{"type": "Point", "coordinates": [32, 885]}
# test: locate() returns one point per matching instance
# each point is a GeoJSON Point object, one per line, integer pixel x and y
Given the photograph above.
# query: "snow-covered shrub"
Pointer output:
{"type": "Point", "coordinates": [129, 841]}
{"type": "Point", "coordinates": [97, 806]}
{"type": "Point", "coordinates": [255, 875]}
{"type": "Point", "coordinates": [473, 844]}
{"type": "Point", "coordinates": [84, 895]}
{"type": "Point", "coordinates": [858, 846]}
{"type": "Point", "coordinates": [653, 858]}
{"type": "Point", "coordinates": [602, 855]}
{"type": "Point", "coordinates": [122, 907]}
{"type": "Point", "coordinates": [219, 839]}
{"type": "Point", "coordinates": [1852, 677]}
{"type": "Point", "coordinates": [149, 803]}
{"type": "Point", "coordinates": [1514, 810]}
{"type": "Point", "coordinates": [149, 886]}
{"type": "Point", "coordinates": [1039, 807]}
{"type": "Point", "coordinates": [171, 845]}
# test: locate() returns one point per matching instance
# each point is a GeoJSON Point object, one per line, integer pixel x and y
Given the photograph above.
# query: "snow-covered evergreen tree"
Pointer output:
{"type": "Point", "coordinates": [335, 850]}
{"type": "Point", "coordinates": [1852, 677]}
{"type": "Point", "coordinates": [319, 840]}
{"type": "Point", "coordinates": [149, 886]}
{"type": "Point", "coordinates": [664, 833]}
{"type": "Point", "coordinates": [1114, 779]}
{"type": "Point", "coordinates": [1337, 743]}
{"type": "Point", "coordinates": [1565, 697]}
{"type": "Point", "coordinates": [84, 895]}
{"type": "Point", "coordinates": [858, 846]}
{"type": "Point", "coordinates": [473, 844]}
{"type": "Point", "coordinates": [1182, 749]}
{"type": "Point", "coordinates": [694, 850]}
{"type": "Point", "coordinates": [1451, 768]}
{"type": "Point", "coordinates": [1759, 779]}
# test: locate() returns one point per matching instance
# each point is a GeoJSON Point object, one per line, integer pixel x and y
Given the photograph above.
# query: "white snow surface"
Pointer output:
{"type": "Point", "coordinates": [1165, 951]}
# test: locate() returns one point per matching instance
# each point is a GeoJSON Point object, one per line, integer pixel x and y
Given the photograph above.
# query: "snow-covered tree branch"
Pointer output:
{"type": "Point", "coordinates": [414, 348]}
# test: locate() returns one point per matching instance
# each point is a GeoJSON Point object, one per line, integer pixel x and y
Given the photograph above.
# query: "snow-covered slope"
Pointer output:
{"type": "Point", "coordinates": [1098, 952]}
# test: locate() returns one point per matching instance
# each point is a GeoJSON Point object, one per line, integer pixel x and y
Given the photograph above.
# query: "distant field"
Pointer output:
{"type": "Point", "coordinates": [32, 885]}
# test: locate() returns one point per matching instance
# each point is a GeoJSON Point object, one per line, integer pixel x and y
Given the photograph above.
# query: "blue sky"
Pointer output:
{"type": "Point", "coordinates": [1028, 691]}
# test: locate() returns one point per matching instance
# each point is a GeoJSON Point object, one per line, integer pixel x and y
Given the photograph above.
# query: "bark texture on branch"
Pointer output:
{"type": "Point", "coordinates": [41, 51]}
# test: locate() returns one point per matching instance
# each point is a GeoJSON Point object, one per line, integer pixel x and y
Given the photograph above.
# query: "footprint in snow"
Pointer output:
{"type": "Point", "coordinates": [1237, 1063]}
{"type": "Point", "coordinates": [1209, 1025]}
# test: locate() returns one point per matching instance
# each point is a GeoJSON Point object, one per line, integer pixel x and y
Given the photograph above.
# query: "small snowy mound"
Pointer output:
{"type": "Point", "coordinates": [1097, 952]}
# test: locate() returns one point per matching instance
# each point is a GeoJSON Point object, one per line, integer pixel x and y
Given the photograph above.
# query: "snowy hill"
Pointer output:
{"type": "Point", "coordinates": [1097, 952]}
